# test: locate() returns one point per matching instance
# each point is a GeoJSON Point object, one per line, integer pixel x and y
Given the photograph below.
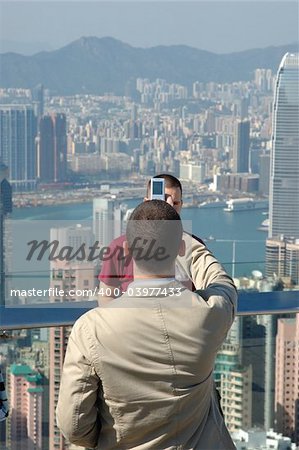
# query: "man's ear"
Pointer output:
{"type": "Point", "coordinates": [126, 248]}
{"type": "Point", "coordinates": [182, 249]}
{"type": "Point", "coordinates": [145, 199]}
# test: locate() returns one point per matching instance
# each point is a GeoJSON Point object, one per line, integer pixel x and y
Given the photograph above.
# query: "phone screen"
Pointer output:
{"type": "Point", "coordinates": [157, 188]}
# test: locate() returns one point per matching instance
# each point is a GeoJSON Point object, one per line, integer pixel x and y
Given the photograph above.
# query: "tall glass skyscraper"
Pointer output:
{"type": "Point", "coordinates": [18, 129]}
{"type": "Point", "coordinates": [283, 204]}
{"type": "Point", "coordinates": [241, 147]}
{"type": "Point", "coordinates": [52, 148]}
{"type": "Point", "coordinates": [284, 171]}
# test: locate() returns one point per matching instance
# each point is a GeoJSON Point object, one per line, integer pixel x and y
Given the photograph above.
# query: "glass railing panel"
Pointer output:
{"type": "Point", "coordinates": [255, 373]}
{"type": "Point", "coordinates": [31, 362]}
{"type": "Point", "coordinates": [51, 251]}
{"type": "Point", "coordinates": [59, 261]}
{"type": "Point", "coordinates": [257, 295]}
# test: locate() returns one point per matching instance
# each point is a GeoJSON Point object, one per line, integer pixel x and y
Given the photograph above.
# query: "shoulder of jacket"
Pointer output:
{"type": "Point", "coordinates": [195, 239]}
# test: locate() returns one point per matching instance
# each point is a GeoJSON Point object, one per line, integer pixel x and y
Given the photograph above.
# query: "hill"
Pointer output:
{"type": "Point", "coordinates": [97, 65]}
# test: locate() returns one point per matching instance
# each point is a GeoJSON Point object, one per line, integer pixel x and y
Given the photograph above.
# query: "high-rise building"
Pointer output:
{"type": "Point", "coordinates": [284, 168]}
{"type": "Point", "coordinates": [37, 96]}
{"type": "Point", "coordinates": [72, 278]}
{"type": "Point", "coordinates": [253, 354]}
{"type": "Point", "coordinates": [107, 216]}
{"type": "Point", "coordinates": [192, 171]}
{"type": "Point", "coordinates": [287, 378]}
{"type": "Point", "coordinates": [264, 172]}
{"type": "Point", "coordinates": [52, 148]}
{"type": "Point", "coordinates": [18, 130]}
{"type": "Point", "coordinates": [241, 147]}
{"type": "Point", "coordinates": [283, 199]}
{"type": "Point", "coordinates": [5, 208]}
{"type": "Point", "coordinates": [24, 425]}
{"type": "Point", "coordinates": [282, 258]}
{"type": "Point", "coordinates": [234, 383]}
{"type": "Point", "coordinates": [74, 237]}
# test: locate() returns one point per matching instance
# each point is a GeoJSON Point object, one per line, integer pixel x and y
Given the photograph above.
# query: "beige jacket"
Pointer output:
{"type": "Point", "coordinates": [200, 265]}
{"type": "Point", "coordinates": [138, 374]}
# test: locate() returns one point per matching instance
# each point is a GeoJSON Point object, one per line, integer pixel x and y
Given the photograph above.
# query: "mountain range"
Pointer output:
{"type": "Point", "coordinates": [94, 65]}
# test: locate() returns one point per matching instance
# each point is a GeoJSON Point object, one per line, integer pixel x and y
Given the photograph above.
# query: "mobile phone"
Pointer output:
{"type": "Point", "coordinates": [157, 189]}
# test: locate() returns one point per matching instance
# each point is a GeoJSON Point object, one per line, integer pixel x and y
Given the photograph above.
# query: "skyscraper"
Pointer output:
{"type": "Point", "coordinates": [26, 399]}
{"type": "Point", "coordinates": [282, 258]}
{"type": "Point", "coordinates": [5, 208]}
{"type": "Point", "coordinates": [241, 147]}
{"type": "Point", "coordinates": [284, 170]}
{"type": "Point", "coordinates": [18, 129]}
{"type": "Point", "coordinates": [234, 383]}
{"type": "Point", "coordinates": [264, 171]}
{"type": "Point", "coordinates": [71, 277]}
{"type": "Point", "coordinates": [52, 148]}
{"type": "Point", "coordinates": [107, 216]}
{"type": "Point", "coordinates": [283, 199]}
{"type": "Point", "coordinates": [287, 378]}
{"type": "Point", "coordinates": [37, 95]}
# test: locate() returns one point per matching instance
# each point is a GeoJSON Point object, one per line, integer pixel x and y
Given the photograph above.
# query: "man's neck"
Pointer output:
{"type": "Point", "coordinates": [139, 274]}
{"type": "Point", "coordinates": [151, 276]}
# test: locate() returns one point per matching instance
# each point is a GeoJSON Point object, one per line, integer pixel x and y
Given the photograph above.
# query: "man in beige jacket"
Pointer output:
{"type": "Point", "coordinates": [138, 374]}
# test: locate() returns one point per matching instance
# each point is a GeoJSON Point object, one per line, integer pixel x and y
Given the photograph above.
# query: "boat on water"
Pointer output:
{"type": "Point", "coordinates": [245, 204]}
{"type": "Point", "coordinates": [212, 204]}
{"type": "Point", "coordinates": [264, 225]}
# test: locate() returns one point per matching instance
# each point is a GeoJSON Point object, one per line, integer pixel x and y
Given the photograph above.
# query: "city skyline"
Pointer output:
{"type": "Point", "coordinates": [160, 126]}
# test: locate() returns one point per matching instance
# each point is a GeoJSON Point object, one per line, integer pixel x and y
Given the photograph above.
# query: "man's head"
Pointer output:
{"type": "Point", "coordinates": [154, 237]}
{"type": "Point", "coordinates": [173, 191]}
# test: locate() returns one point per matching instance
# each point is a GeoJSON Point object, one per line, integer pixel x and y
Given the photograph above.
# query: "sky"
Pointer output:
{"type": "Point", "coordinates": [217, 26]}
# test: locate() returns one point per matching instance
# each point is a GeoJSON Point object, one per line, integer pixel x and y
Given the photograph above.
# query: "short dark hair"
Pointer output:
{"type": "Point", "coordinates": [170, 182]}
{"type": "Point", "coordinates": [154, 225]}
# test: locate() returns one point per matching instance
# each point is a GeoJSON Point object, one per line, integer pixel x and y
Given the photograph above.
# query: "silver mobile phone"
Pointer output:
{"type": "Point", "coordinates": [157, 189]}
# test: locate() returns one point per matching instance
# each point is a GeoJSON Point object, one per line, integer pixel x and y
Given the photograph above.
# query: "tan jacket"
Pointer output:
{"type": "Point", "coordinates": [200, 265]}
{"type": "Point", "coordinates": [138, 374]}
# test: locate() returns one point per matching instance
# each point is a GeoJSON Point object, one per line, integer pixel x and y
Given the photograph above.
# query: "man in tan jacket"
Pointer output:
{"type": "Point", "coordinates": [138, 374]}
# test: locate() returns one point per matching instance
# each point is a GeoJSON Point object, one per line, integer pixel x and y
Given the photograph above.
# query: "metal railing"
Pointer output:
{"type": "Point", "coordinates": [66, 313]}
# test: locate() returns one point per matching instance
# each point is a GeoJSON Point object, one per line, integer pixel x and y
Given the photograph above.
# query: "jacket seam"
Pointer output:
{"type": "Point", "coordinates": [173, 368]}
{"type": "Point", "coordinates": [79, 397]}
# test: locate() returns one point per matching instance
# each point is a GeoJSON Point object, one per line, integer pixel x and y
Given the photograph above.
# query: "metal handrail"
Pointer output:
{"type": "Point", "coordinates": [66, 313]}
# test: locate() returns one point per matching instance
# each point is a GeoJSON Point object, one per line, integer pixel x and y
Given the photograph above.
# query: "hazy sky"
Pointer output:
{"type": "Point", "coordinates": [218, 26]}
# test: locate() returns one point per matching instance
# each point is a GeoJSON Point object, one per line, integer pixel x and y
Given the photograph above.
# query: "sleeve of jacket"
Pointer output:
{"type": "Point", "coordinates": [77, 412]}
{"type": "Point", "coordinates": [210, 279]}
{"type": "Point", "coordinates": [200, 264]}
